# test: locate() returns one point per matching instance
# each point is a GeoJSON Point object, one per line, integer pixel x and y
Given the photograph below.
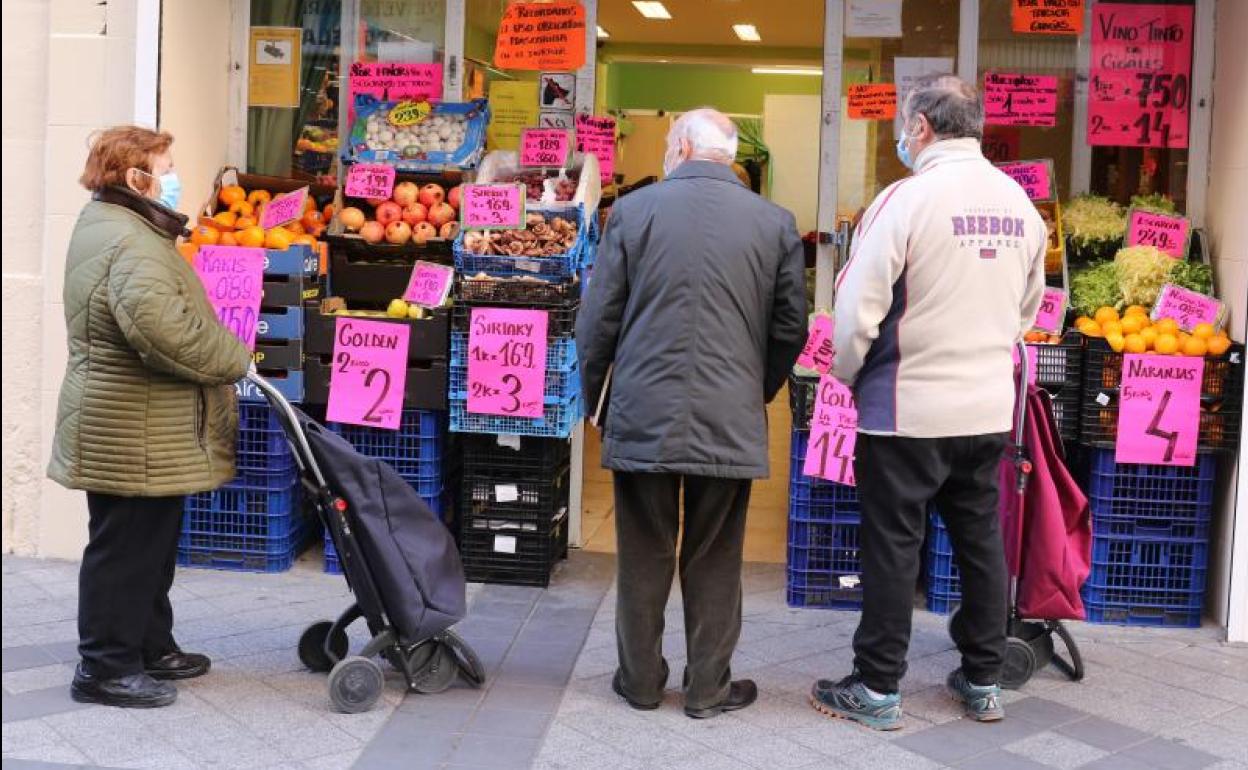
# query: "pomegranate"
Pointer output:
{"type": "Point", "coordinates": [389, 212]}
{"type": "Point", "coordinates": [352, 218]}
{"type": "Point", "coordinates": [423, 232]}
{"type": "Point", "coordinates": [405, 193]}
{"type": "Point", "coordinates": [449, 230]}
{"type": "Point", "coordinates": [440, 214]}
{"type": "Point", "coordinates": [375, 202]}
{"type": "Point", "coordinates": [431, 195]}
{"type": "Point", "coordinates": [454, 196]}
{"type": "Point", "coordinates": [415, 213]}
{"type": "Point", "coordinates": [373, 232]}
{"type": "Point", "coordinates": [398, 232]}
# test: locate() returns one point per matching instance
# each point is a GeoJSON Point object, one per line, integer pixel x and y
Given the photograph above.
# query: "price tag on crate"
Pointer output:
{"type": "Point", "coordinates": [233, 278]}
{"type": "Point", "coordinates": [1187, 307]}
{"type": "Point", "coordinates": [370, 180]}
{"type": "Point", "coordinates": [1159, 409]}
{"type": "Point", "coordinates": [507, 361]}
{"type": "Point", "coordinates": [492, 207]}
{"type": "Point", "coordinates": [429, 284]}
{"type": "Point", "coordinates": [817, 354]}
{"type": "Point", "coordinates": [544, 147]}
{"type": "Point", "coordinates": [1171, 234]}
{"type": "Point", "coordinates": [284, 209]}
{"type": "Point", "coordinates": [1034, 176]}
{"type": "Point", "coordinates": [833, 433]}
{"type": "Point", "coordinates": [1052, 314]}
{"type": "Point", "coordinates": [370, 373]}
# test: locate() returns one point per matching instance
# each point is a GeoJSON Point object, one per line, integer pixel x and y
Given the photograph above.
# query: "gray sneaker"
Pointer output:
{"type": "Point", "coordinates": [983, 703]}
{"type": "Point", "coordinates": [849, 699]}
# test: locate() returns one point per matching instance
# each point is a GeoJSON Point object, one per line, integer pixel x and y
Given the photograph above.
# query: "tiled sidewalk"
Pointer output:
{"type": "Point", "coordinates": [1152, 698]}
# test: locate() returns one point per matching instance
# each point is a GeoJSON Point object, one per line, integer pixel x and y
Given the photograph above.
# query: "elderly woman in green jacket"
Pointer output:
{"type": "Point", "coordinates": [147, 415]}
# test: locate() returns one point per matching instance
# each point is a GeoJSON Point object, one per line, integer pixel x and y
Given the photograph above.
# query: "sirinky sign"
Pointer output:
{"type": "Point", "coordinates": [1159, 409]}
{"type": "Point", "coordinates": [507, 362]}
{"type": "Point", "coordinates": [233, 279]}
{"type": "Point", "coordinates": [833, 433]}
{"type": "Point", "coordinates": [367, 383]}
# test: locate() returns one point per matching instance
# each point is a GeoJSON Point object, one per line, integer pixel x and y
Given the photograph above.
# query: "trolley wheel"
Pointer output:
{"type": "Point", "coordinates": [355, 684]}
{"type": "Point", "coordinates": [469, 664]}
{"type": "Point", "coordinates": [312, 646]}
{"type": "Point", "coordinates": [415, 656]}
{"type": "Point", "coordinates": [437, 673]}
{"type": "Point", "coordinates": [1019, 664]}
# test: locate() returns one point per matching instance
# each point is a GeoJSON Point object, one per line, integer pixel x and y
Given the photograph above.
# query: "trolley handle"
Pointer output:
{"type": "Point", "coordinates": [290, 423]}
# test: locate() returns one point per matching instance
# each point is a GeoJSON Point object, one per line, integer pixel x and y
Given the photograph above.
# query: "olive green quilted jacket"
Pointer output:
{"type": "Point", "coordinates": [148, 407]}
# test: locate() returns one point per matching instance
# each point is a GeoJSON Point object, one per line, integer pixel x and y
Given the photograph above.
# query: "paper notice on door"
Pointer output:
{"type": "Point", "coordinates": [873, 18]}
{"type": "Point", "coordinates": [908, 71]}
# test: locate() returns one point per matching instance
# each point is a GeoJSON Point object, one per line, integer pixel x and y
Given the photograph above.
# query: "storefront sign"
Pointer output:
{"type": "Point", "coordinates": [393, 81]}
{"type": "Point", "coordinates": [907, 72]}
{"type": "Point", "coordinates": [1048, 17]}
{"type": "Point", "coordinates": [833, 433]}
{"type": "Point", "coordinates": [492, 207]}
{"type": "Point", "coordinates": [1187, 307]}
{"type": "Point", "coordinates": [275, 58]}
{"type": "Point", "coordinates": [597, 135]}
{"type": "Point", "coordinates": [507, 361]}
{"type": "Point", "coordinates": [370, 373]}
{"type": "Point", "coordinates": [429, 284]}
{"type": "Point", "coordinates": [873, 101]}
{"type": "Point", "coordinates": [873, 18]}
{"type": "Point", "coordinates": [544, 147]}
{"type": "Point", "coordinates": [1159, 409]}
{"type": "Point", "coordinates": [541, 36]}
{"type": "Point", "coordinates": [1169, 233]}
{"type": "Point", "coordinates": [1052, 314]}
{"type": "Point", "coordinates": [233, 278]}
{"type": "Point", "coordinates": [1002, 143]}
{"type": "Point", "coordinates": [1035, 177]}
{"type": "Point", "coordinates": [1141, 71]}
{"type": "Point", "coordinates": [370, 180]}
{"type": "Point", "coordinates": [284, 209]}
{"type": "Point", "coordinates": [1020, 100]}
{"type": "Point", "coordinates": [513, 107]}
{"type": "Point", "coordinates": [817, 353]}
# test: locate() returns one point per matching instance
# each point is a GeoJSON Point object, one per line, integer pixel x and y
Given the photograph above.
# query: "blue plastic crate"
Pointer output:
{"type": "Point", "coordinates": [1125, 519]}
{"type": "Point", "coordinates": [244, 558]}
{"type": "Point", "coordinates": [556, 267]}
{"type": "Point", "coordinates": [560, 353]}
{"type": "Point", "coordinates": [942, 584]}
{"type": "Point", "coordinates": [558, 418]}
{"type": "Point", "coordinates": [559, 385]}
{"type": "Point", "coordinates": [823, 590]}
{"type": "Point", "coordinates": [276, 479]}
{"type": "Point", "coordinates": [243, 500]}
{"type": "Point", "coordinates": [940, 599]}
{"type": "Point", "coordinates": [280, 323]}
{"type": "Point", "coordinates": [823, 565]}
{"type": "Point", "coordinates": [1149, 565]}
{"type": "Point", "coordinates": [1179, 610]}
{"type": "Point", "coordinates": [1168, 484]}
{"type": "Point", "coordinates": [262, 444]}
{"type": "Point", "coordinates": [817, 499]}
{"type": "Point", "coordinates": [417, 445]}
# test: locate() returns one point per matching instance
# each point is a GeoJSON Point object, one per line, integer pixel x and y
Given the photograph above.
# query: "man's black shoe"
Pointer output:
{"type": "Point", "coordinates": [136, 691]}
{"type": "Point", "coordinates": [741, 693]}
{"type": "Point", "coordinates": [617, 684]}
{"type": "Point", "coordinates": [178, 665]}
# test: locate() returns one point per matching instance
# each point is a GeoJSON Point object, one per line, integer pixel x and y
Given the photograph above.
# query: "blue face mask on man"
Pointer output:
{"type": "Point", "coordinates": [903, 152]}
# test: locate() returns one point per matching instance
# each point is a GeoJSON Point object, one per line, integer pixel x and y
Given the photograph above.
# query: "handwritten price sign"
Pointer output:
{"type": "Point", "coordinates": [817, 353]}
{"type": "Point", "coordinates": [1048, 17]}
{"type": "Point", "coordinates": [429, 284]}
{"type": "Point", "coordinates": [1052, 314]}
{"type": "Point", "coordinates": [493, 206]}
{"type": "Point", "coordinates": [284, 209]}
{"type": "Point", "coordinates": [507, 361]}
{"type": "Point", "coordinates": [1035, 177]}
{"type": "Point", "coordinates": [872, 101]}
{"type": "Point", "coordinates": [1020, 100]}
{"type": "Point", "coordinates": [1169, 233]}
{"type": "Point", "coordinates": [370, 180]}
{"type": "Point", "coordinates": [1159, 409]}
{"type": "Point", "coordinates": [544, 147]}
{"type": "Point", "coordinates": [1187, 307]}
{"type": "Point", "coordinates": [233, 279]}
{"type": "Point", "coordinates": [833, 433]}
{"type": "Point", "coordinates": [370, 373]}
{"type": "Point", "coordinates": [597, 135]}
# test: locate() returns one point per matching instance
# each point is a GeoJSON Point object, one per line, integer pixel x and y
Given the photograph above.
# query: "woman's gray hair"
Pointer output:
{"type": "Point", "coordinates": [710, 133]}
{"type": "Point", "coordinates": [950, 104]}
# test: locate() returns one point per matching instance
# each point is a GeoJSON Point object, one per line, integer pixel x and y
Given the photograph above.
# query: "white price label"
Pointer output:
{"type": "Point", "coordinates": [506, 493]}
{"type": "Point", "coordinates": [504, 544]}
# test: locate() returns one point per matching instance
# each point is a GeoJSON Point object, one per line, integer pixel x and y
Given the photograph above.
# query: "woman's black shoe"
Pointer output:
{"type": "Point", "coordinates": [178, 665]}
{"type": "Point", "coordinates": [741, 693]}
{"type": "Point", "coordinates": [136, 691]}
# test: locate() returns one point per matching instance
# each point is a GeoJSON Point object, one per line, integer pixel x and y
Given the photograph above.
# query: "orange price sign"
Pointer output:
{"type": "Point", "coordinates": [541, 36]}
{"type": "Point", "coordinates": [873, 101]}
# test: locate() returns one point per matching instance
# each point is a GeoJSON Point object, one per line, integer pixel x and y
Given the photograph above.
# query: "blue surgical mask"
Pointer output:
{"type": "Point", "coordinates": [170, 189]}
{"type": "Point", "coordinates": [903, 152]}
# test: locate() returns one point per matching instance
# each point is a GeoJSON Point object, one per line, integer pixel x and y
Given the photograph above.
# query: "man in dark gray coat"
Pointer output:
{"type": "Point", "coordinates": [696, 311]}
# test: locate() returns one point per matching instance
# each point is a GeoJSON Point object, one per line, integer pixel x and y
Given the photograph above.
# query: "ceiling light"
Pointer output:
{"type": "Point", "coordinates": [602, 32]}
{"type": "Point", "coordinates": [747, 32]}
{"type": "Point", "coordinates": [652, 9]}
{"type": "Point", "coordinates": [786, 71]}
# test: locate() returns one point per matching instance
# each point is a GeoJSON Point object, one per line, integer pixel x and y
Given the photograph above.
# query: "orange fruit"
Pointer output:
{"type": "Point", "coordinates": [226, 219]}
{"type": "Point", "coordinates": [328, 212]}
{"type": "Point", "coordinates": [1150, 336]}
{"type": "Point", "coordinates": [1167, 326]}
{"type": "Point", "coordinates": [303, 239]}
{"type": "Point", "coordinates": [242, 208]}
{"type": "Point", "coordinates": [1136, 310]}
{"type": "Point", "coordinates": [1135, 344]}
{"type": "Point", "coordinates": [1204, 331]}
{"type": "Point", "coordinates": [1133, 323]}
{"type": "Point", "coordinates": [1112, 327]}
{"type": "Point", "coordinates": [228, 239]}
{"type": "Point", "coordinates": [231, 194]}
{"type": "Point", "coordinates": [1166, 344]}
{"type": "Point", "coordinates": [203, 235]}
{"type": "Point", "coordinates": [253, 235]}
{"type": "Point", "coordinates": [309, 204]}
{"type": "Point", "coordinates": [242, 223]}
{"type": "Point", "coordinates": [295, 228]}
{"type": "Point", "coordinates": [257, 197]}
{"type": "Point", "coordinates": [1218, 345]}
{"type": "Point", "coordinates": [279, 238]}
{"type": "Point", "coordinates": [1105, 314]}
{"type": "Point", "coordinates": [1195, 346]}
{"type": "Point", "coordinates": [1117, 343]}
{"type": "Point", "coordinates": [1090, 328]}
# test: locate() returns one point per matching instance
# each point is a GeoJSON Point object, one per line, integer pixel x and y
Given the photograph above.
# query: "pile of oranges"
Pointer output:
{"type": "Point", "coordinates": [237, 222]}
{"type": "Point", "coordinates": [1135, 332]}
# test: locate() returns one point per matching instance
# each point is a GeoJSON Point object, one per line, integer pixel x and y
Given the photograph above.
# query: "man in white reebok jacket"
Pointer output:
{"type": "Point", "coordinates": [946, 274]}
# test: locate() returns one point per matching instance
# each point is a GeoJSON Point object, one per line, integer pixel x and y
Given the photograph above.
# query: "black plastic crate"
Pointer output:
{"type": "Point", "coordinates": [427, 338]}
{"type": "Point", "coordinates": [522, 500]}
{"type": "Point", "coordinates": [278, 354]}
{"type": "Point", "coordinates": [510, 556]}
{"type": "Point", "coordinates": [1221, 399]}
{"type": "Point", "coordinates": [424, 385]}
{"type": "Point", "coordinates": [802, 391]}
{"type": "Point", "coordinates": [1058, 367]}
{"type": "Point", "coordinates": [516, 291]}
{"type": "Point", "coordinates": [535, 455]}
{"type": "Point", "coordinates": [562, 323]}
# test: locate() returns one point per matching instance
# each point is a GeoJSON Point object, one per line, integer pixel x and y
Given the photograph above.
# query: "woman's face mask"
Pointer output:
{"type": "Point", "coordinates": [170, 187]}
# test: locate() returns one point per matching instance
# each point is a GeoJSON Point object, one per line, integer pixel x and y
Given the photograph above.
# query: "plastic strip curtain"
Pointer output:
{"type": "Point", "coordinates": [750, 146]}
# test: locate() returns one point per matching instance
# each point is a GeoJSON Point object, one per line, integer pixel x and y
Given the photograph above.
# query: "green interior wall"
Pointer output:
{"type": "Point", "coordinates": [678, 87]}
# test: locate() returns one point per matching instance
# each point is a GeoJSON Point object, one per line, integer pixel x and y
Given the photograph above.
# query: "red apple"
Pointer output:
{"type": "Point", "coordinates": [405, 193]}
{"type": "Point", "coordinates": [431, 195]}
{"type": "Point", "coordinates": [440, 214]}
{"type": "Point", "coordinates": [398, 232]}
{"type": "Point", "coordinates": [453, 197]}
{"type": "Point", "coordinates": [389, 212]}
{"type": "Point", "coordinates": [415, 213]}
{"type": "Point", "coordinates": [373, 232]}
{"type": "Point", "coordinates": [423, 232]}
{"type": "Point", "coordinates": [375, 202]}
{"type": "Point", "coordinates": [352, 218]}
{"type": "Point", "coordinates": [449, 230]}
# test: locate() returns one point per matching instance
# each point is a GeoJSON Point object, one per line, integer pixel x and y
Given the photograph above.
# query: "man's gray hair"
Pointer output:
{"type": "Point", "coordinates": [711, 135]}
{"type": "Point", "coordinates": [950, 105]}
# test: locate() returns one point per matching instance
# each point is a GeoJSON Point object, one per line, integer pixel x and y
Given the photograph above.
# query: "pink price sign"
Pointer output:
{"type": "Point", "coordinates": [817, 354]}
{"type": "Point", "coordinates": [833, 433]}
{"type": "Point", "coordinates": [1034, 176]}
{"type": "Point", "coordinates": [544, 147]}
{"type": "Point", "coordinates": [284, 209]}
{"type": "Point", "coordinates": [1187, 307]}
{"type": "Point", "coordinates": [1169, 233]}
{"type": "Point", "coordinates": [1020, 100]}
{"type": "Point", "coordinates": [393, 81]}
{"type": "Point", "coordinates": [429, 284]}
{"type": "Point", "coordinates": [1052, 314]}
{"type": "Point", "coordinates": [492, 206]}
{"type": "Point", "coordinates": [1159, 409]}
{"type": "Point", "coordinates": [507, 362]}
{"type": "Point", "coordinates": [370, 180]}
{"type": "Point", "coordinates": [597, 135]}
{"type": "Point", "coordinates": [233, 279]}
{"type": "Point", "coordinates": [370, 373]}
